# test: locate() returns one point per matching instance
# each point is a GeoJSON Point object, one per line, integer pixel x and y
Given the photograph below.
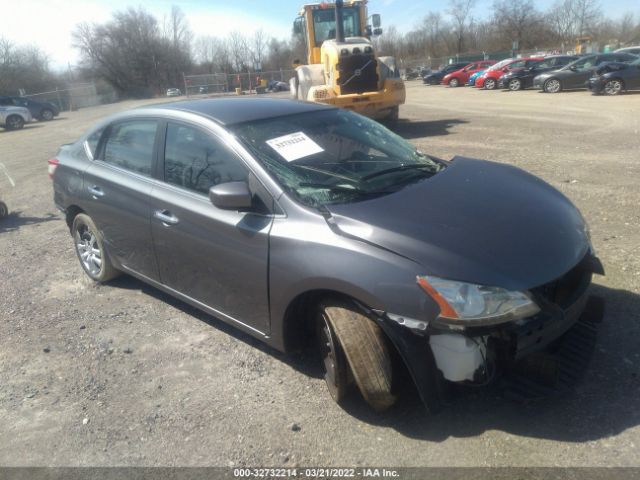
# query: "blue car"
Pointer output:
{"type": "Point", "coordinates": [472, 79]}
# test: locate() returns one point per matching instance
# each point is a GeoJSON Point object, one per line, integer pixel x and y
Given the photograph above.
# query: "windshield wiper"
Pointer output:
{"type": "Point", "coordinates": [413, 166]}
{"type": "Point", "coordinates": [342, 188]}
{"type": "Point", "coordinates": [325, 172]}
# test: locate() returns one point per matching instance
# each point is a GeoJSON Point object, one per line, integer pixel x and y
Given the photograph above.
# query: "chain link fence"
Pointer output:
{"type": "Point", "coordinates": [227, 83]}
{"type": "Point", "coordinates": [78, 95]}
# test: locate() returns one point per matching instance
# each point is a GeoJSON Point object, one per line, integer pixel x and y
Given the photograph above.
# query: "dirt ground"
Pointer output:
{"type": "Point", "coordinates": [121, 374]}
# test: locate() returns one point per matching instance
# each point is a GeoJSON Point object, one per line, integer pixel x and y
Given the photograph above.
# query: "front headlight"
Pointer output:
{"type": "Point", "coordinates": [469, 304]}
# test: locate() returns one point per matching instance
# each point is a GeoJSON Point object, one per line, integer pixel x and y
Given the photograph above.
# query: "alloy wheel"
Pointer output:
{"type": "Point", "coordinates": [88, 249]}
{"type": "Point", "coordinates": [490, 84]}
{"type": "Point", "coordinates": [453, 82]}
{"type": "Point", "coordinates": [552, 86]}
{"type": "Point", "coordinates": [613, 87]}
{"type": "Point", "coordinates": [515, 84]}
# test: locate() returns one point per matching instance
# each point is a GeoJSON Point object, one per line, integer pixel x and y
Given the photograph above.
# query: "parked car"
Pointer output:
{"type": "Point", "coordinates": [245, 209]}
{"type": "Point", "coordinates": [615, 78]}
{"type": "Point", "coordinates": [575, 74]}
{"type": "Point", "coordinates": [479, 73]}
{"type": "Point", "coordinates": [434, 78]}
{"type": "Point", "coordinates": [489, 79]}
{"type": "Point", "coordinates": [521, 78]}
{"type": "Point", "coordinates": [40, 110]}
{"type": "Point", "coordinates": [14, 118]}
{"type": "Point", "coordinates": [472, 79]}
{"type": "Point", "coordinates": [277, 86]}
{"type": "Point", "coordinates": [173, 92]}
{"type": "Point", "coordinates": [460, 77]}
{"type": "Point", "coordinates": [633, 50]}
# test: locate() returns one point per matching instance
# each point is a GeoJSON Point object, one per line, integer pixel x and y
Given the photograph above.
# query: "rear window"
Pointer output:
{"type": "Point", "coordinates": [129, 145]}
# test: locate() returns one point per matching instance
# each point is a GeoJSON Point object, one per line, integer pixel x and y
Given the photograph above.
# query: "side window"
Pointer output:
{"type": "Point", "coordinates": [130, 145]}
{"type": "Point", "coordinates": [5, 101]}
{"type": "Point", "coordinates": [196, 161]}
{"type": "Point", "coordinates": [92, 142]}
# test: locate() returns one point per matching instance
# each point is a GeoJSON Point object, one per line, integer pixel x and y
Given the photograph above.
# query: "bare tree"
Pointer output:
{"type": "Point", "coordinates": [258, 47]}
{"type": "Point", "coordinates": [460, 12]}
{"type": "Point", "coordinates": [238, 50]}
{"type": "Point", "coordinates": [516, 20]}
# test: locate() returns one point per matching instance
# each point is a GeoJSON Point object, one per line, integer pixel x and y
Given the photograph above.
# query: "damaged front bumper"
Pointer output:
{"type": "Point", "coordinates": [477, 356]}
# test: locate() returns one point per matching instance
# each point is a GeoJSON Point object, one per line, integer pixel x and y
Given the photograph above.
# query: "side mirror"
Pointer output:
{"type": "Point", "coordinates": [376, 20]}
{"type": "Point", "coordinates": [297, 25]}
{"type": "Point", "coordinates": [231, 196]}
{"type": "Point", "coordinates": [573, 68]}
{"type": "Point", "coordinates": [377, 32]}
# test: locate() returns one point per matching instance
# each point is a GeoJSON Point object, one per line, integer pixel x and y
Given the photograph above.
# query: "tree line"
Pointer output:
{"type": "Point", "coordinates": [139, 55]}
{"type": "Point", "coordinates": [508, 24]}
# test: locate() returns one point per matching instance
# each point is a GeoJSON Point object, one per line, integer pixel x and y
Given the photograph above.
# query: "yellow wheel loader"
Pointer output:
{"type": "Point", "coordinates": [342, 66]}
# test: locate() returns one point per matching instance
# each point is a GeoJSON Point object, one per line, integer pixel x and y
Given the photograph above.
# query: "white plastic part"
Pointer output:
{"type": "Point", "coordinates": [457, 357]}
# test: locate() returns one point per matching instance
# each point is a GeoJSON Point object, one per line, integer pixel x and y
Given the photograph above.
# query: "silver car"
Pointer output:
{"type": "Point", "coordinates": [14, 118]}
{"type": "Point", "coordinates": [307, 225]}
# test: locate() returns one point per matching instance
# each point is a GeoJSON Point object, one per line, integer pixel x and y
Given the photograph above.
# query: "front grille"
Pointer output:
{"type": "Point", "coordinates": [565, 290]}
{"type": "Point", "coordinates": [358, 74]}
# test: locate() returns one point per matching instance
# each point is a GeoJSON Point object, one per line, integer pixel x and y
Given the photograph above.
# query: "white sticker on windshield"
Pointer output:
{"type": "Point", "coordinates": [294, 146]}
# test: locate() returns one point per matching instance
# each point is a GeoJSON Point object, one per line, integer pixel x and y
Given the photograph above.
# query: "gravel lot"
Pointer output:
{"type": "Point", "coordinates": [121, 374]}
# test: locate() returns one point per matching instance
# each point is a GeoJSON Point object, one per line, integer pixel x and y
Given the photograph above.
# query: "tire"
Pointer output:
{"type": "Point", "coordinates": [14, 122]}
{"type": "Point", "coordinates": [553, 85]}
{"type": "Point", "coordinates": [4, 210]}
{"type": "Point", "coordinates": [613, 87]}
{"type": "Point", "coordinates": [90, 250]}
{"type": "Point", "coordinates": [293, 87]}
{"type": "Point", "coordinates": [515, 84]}
{"type": "Point", "coordinates": [454, 82]}
{"type": "Point", "coordinates": [46, 115]}
{"type": "Point", "coordinates": [391, 120]}
{"type": "Point", "coordinates": [366, 353]}
{"type": "Point", "coordinates": [490, 84]}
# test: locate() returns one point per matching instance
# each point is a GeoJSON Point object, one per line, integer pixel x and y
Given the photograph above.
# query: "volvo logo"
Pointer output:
{"type": "Point", "coordinates": [357, 73]}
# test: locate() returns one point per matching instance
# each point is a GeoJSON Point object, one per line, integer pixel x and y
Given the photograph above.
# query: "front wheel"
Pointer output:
{"type": "Point", "coordinates": [515, 84]}
{"type": "Point", "coordinates": [489, 84]}
{"type": "Point", "coordinates": [348, 334]}
{"type": "Point", "coordinates": [4, 210]}
{"type": "Point", "coordinates": [90, 249]}
{"type": "Point", "coordinates": [552, 86]}
{"type": "Point", "coordinates": [454, 82]}
{"type": "Point", "coordinates": [613, 87]}
{"type": "Point", "coordinates": [14, 122]}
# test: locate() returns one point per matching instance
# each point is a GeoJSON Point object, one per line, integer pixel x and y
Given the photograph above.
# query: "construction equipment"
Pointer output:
{"type": "Point", "coordinates": [342, 66]}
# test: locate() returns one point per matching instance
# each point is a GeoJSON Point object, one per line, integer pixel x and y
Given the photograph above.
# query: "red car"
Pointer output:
{"type": "Point", "coordinates": [460, 77]}
{"type": "Point", "coordinates": [489, 79]}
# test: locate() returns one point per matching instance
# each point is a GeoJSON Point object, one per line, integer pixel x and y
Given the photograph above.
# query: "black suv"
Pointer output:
{"type": "Point", "coordinates": [40, 110]}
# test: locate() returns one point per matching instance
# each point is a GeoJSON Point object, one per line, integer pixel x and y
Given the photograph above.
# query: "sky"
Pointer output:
{"type": "Point", "coordinates": [48, 23]}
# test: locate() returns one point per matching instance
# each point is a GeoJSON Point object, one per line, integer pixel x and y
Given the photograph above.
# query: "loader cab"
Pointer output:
{"type": "Point", "coordinates": [317, 23]}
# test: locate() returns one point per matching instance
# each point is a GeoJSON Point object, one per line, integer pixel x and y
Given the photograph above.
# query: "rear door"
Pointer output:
{"type": "Point", "coordinates": [217, 257]}
{"type": "Point", "coordinates": [117, 185]}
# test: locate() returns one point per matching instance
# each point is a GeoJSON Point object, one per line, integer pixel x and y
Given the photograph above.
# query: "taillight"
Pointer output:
{"type": "Point", "coordinates": [53, 164]}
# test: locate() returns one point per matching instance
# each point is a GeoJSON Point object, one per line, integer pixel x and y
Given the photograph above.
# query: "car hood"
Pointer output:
{"type": "Point", "coordinates": [475, 221]}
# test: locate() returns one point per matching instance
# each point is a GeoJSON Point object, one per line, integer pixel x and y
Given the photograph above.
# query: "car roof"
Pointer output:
{"type": "Point", "coordinates": [230, 111]}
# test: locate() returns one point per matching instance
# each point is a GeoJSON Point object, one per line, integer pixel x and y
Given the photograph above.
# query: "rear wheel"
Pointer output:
{"type": "Point", "coordinates": [391, 120]}
{"type": "Point", "coordinates": [515, 84]}
{"type": "Point", "coordinates": [489, 84]}
{"type": "Point", "coordinates": [14, 122]}
{"type": "Point", "coordinates": [613, 87]}
{"type": "Point", "coordinates": [4, 210]}
{"type": "Point", "coordinates": [46, 115]}
{"type": "Point", "coordinates": [552, 85]}
{"type": "Point", "coordinates": [348, 334]}
{"type": "Point", "coordinates": [90, 249]}
{"type": "Point", "coordinates": [454, 82]}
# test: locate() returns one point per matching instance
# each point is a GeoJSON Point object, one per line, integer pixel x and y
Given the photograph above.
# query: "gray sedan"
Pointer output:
{"type": "Point", "coordinates": [309, 226]}
{"type": "Point", "coordinates": [575, 74]}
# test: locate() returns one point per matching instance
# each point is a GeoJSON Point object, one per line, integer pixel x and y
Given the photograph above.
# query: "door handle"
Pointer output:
{"type": "Point", "coordinates": [166, 217]}
{"type": "Point", "coordinates": [96, 191]}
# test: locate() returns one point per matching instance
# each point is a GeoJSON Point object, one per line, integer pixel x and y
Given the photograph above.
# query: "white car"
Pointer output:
{"type": "Point", "coordinates": [173, 92]}
{"type": "Point", "coordinates": [14, 118]}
